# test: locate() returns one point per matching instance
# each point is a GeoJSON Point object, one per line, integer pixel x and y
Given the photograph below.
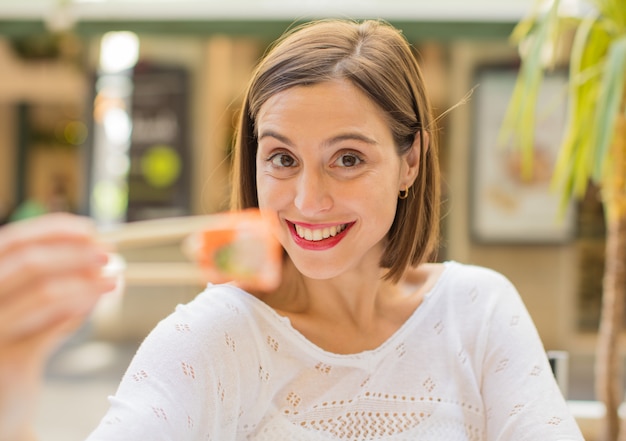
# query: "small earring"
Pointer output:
{"type": "Point", "coordinates": [403, 194]}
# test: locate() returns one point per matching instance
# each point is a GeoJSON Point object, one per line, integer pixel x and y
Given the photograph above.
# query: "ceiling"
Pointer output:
{"type": "Point", "coordinates": [419, 19]}
{"type": "Point", "coordinates": [421, 10]}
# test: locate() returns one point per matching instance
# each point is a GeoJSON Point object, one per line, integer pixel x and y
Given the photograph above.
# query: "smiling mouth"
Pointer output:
{"type": "Point", "coordinates": [317, 234]}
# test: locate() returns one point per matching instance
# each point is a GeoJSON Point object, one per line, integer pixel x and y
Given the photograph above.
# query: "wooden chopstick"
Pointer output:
{"type": "Point", "coordinates": [154, 232]}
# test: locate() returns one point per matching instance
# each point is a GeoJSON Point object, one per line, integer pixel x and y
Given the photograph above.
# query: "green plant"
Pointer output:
{"type": "Point", "coordinates": [593, 147]}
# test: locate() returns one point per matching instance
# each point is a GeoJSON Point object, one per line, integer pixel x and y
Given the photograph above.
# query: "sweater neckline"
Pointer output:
{"type": "Point", "coordinates": [284, 323]}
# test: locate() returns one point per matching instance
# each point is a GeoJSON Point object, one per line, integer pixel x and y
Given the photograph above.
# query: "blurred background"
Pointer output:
{"type": "Point", "coordinates": [124, 110]}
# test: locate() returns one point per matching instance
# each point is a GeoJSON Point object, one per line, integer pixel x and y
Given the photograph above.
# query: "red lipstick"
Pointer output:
{"type": "Point", "coordinates": [317, 245]}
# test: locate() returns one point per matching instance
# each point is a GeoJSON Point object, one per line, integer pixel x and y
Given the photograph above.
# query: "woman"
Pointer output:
{"type": "Point", "coordinates": [336, 142]}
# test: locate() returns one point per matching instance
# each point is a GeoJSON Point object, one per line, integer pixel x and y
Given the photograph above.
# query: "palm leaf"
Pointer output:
{"type": "Point", "coordinates": [519, 120]}
{"type": "Point", "coordinates": [614, 12]}
{"type": "Point", "coordinates": [610, 96]}
{"type": "Point", "coordinates": [574, 164]}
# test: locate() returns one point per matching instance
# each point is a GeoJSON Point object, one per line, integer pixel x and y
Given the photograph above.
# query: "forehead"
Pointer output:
{"type": "Point", "coordinates": [329, 105]}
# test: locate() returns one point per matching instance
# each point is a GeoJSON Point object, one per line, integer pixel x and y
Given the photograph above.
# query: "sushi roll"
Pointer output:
{"type": "Point", "coordinates": [238, 247]}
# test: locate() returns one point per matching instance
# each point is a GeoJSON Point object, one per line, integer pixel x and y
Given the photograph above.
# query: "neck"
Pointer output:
{"type": "Point", "coordinates": [354, 299]}
{"type": "Point", "coordinates": [352, 313]}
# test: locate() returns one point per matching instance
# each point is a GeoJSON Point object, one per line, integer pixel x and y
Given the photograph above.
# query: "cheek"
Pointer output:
{"type": "Point", "coordinates": [381, 201]}
{"type": "Point", "coordinates": [383, 207]}
{"type": "Point", "coordinates": [269, 191]}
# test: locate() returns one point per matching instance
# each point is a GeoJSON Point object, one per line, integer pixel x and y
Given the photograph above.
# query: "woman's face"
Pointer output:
{"type": "Point", "coordinates": [327, 167]}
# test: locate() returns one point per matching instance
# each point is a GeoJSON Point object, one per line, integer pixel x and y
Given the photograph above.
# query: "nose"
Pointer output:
{"type": "Point", "coordinates": [312, 193]}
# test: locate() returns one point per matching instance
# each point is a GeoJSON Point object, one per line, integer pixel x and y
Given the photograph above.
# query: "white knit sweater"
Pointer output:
{"type": "Point", "coordinates": [467, 365]}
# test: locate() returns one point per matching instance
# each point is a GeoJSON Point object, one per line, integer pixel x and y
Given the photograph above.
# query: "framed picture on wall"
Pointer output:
{"type": "Point", "coordinates": [505, 207]}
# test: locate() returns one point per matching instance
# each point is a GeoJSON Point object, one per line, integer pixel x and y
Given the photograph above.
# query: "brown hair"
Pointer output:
{"type": "Point", "coordinates": [378, 60]}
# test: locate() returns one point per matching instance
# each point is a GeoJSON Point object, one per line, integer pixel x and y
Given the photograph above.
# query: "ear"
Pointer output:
{"type": "Point", "coordinates": [411, 160]}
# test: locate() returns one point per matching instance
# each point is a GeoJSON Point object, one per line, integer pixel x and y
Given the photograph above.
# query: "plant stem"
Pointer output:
{"type": "Point", "coordinates": [608, 357]}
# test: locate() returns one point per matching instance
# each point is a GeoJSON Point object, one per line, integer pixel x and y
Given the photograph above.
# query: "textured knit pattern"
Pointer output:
{"type": "Point", "coordinates": [467, 365]}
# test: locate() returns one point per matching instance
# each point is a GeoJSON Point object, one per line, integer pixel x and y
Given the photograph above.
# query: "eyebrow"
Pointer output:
{"type": "Point", "coordinates": [335, 139]}
{"type": "Point", "coordinates": [278, 136]}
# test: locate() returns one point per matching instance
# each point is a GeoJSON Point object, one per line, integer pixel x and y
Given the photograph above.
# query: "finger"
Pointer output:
{"type": "Point", "coordinates": [29, 264]}
{"type": "Point", "coordinates": [59, 300]}
{"type": "Point", "coordinates": [50, 227]}
{"type": "Point", "coordinates": [30, 352]}
{"type": "Point", "coordinates": [49, 301]}
{"type": "Point", "coordinates": [35, 348]}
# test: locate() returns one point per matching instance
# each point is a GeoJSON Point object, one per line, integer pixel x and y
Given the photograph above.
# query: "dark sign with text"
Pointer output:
{"type": "Point", "coordinates": [158, 179]}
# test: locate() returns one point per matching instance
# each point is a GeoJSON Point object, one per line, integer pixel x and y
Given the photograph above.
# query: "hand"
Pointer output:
{"type": "Point", "coordinates": [50, 280]}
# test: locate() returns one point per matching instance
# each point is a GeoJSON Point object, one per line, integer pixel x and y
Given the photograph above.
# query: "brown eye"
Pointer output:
{"type": "Point", "coordinates": [348, 160]}
{"type": "Point", "coordinates": [282, 160]}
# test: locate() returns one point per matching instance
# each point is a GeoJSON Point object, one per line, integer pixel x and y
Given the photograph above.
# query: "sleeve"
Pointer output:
{"type": "Point", "coordinates": [184, 382]}
{"type": "Point", "coordinates": [522, 398]}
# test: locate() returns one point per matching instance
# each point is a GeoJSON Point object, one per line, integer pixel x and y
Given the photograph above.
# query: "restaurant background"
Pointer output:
{"type": "Point", "coordinates": [144, 131]}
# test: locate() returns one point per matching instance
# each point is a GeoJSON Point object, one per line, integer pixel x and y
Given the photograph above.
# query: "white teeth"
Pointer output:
{"type": "Point", "coordinates": [319, 234]}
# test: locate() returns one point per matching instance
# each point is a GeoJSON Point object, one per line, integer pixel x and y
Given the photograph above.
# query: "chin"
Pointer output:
{"type": "Point", "coordinates": [316, 270]}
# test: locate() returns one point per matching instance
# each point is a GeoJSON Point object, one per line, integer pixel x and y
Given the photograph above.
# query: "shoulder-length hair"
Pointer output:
{"type": "Point", "coordinates": [378, 60]}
